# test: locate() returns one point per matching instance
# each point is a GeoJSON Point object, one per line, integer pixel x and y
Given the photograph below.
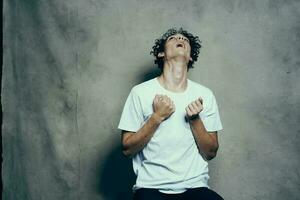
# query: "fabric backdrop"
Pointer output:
{"type": "Point", "coordinates": [69, 66]}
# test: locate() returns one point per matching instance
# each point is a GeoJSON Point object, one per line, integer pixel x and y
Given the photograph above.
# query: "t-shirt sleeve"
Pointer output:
{"type": "Point", "coordinates": [211, 118]}
{"type": "Point", "coordinates": [132, 115]}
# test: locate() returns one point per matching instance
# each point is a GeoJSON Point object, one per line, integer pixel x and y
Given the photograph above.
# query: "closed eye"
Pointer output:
{"type": "Point", "coordinates": [186, 40]}
{"type": "Point", "coordinates": [170, 38]}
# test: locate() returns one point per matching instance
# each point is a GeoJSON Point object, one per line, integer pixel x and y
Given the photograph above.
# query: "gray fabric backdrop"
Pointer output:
{"type": "Point", "coordinates": [69, 66]}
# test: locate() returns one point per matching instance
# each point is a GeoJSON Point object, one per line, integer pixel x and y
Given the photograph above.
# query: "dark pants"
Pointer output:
{"type": "Point", "coordinates": [201, 193]}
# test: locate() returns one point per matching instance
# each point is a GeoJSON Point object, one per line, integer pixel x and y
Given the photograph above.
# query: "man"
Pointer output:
{"type": "Point", "coordinates": [169, 126]}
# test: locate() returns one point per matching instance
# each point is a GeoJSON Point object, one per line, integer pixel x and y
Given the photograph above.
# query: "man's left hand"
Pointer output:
{"type": "Point", "coordinates": [194, 108]}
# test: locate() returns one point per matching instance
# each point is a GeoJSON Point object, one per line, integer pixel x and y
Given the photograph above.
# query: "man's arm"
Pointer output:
{"type": "Point", "coordinates": [207, 142]}
{"type": "Point", "coordinates": [133, 142]}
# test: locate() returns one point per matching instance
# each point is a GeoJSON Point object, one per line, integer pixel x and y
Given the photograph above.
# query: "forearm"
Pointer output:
{"type": "Point", "coordinates": [137, 141]}
{"type": "Point", "coordinates": [206, 144]}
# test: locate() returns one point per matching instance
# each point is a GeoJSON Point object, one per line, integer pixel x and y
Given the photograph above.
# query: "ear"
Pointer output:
{"type": "Point", "coordinates": [191, 59]}
{"type": "Point", "coordinates": [161, 54]}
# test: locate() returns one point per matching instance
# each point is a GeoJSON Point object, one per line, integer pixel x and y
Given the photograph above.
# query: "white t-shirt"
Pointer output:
{"type": "Point", "coordinates": [170, 161]}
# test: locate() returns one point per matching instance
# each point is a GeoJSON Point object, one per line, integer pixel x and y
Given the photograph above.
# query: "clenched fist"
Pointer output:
{"type": "Point", "coordinates": [194, 108]}
{"type": "Point", "coordinates": [163, 106]}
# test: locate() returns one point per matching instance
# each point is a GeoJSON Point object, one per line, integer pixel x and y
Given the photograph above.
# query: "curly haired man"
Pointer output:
{"type": "Point", "coordinates": [169, 125]}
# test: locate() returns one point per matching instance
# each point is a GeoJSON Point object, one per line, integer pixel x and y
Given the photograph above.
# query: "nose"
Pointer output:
{"type": "Point", "coordinates": [179, 38]}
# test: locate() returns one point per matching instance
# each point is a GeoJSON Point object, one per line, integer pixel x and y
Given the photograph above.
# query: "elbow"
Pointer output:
{"type": "Point", "coordinates": [129, 150]}
{"type": "Point", "coordinates": [210, 156]}
{"type": "Point", "coordinates": [127, 153]}
{"type": "Point", "coordinates": [212, 153]}
{"type": "Point", "coordinates": [126, 149]}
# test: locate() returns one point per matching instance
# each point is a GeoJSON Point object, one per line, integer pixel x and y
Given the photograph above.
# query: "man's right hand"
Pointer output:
{"type": "Point", "coordinates": [132, 143]}
{"type": "Point", "coordinates": [163, 106]}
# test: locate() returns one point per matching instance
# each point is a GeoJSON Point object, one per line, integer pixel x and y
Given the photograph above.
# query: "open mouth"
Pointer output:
{"type": "Point", "coordinates": [179, 45]}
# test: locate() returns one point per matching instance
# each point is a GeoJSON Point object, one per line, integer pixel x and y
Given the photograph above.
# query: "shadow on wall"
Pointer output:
{"type": "Point", "coordinates": [152, 72]}
{"type": "Point", "coordinates": [116, 172]}
{"type": "Point", "coordinates": [117, 176]}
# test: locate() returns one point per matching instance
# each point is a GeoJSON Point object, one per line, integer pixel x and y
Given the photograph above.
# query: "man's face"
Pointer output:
{"type": "Point", "coordinates": [177, 46]}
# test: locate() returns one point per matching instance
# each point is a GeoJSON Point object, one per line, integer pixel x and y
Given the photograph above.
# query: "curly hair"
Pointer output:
{"type": "Point", "coordinates": [159, 46]}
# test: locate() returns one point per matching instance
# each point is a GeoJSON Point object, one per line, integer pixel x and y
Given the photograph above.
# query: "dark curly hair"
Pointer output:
{"type": "Point", "coordinates": [159, 46]}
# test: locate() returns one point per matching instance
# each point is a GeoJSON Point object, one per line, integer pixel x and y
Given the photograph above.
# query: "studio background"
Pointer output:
{"type": "Point", "coordinates": [69, 66]}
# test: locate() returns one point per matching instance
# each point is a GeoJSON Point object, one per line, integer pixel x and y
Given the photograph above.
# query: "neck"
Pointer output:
{"type": "Point", "coordinates": [174, 76]}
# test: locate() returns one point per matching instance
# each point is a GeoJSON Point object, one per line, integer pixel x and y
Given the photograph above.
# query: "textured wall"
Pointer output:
{"type": "Point", "coordinates": [69, 66]}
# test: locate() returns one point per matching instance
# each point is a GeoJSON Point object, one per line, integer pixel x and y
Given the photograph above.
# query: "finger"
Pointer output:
{"type": "Point", "coordinates": [196, 107]}
{"type": "Point", "coordinates": [201, 100]}
{"type": "Point", "coordinates": [168, 100]}
{"type": "Point", "coordinates": [162, 98]}
{"type": "Point", "coordinates": [156, 98]}
{"type": "Point", "coordinates": [173, 105]}
{"type": "Point", "coordinates": [191, 109]}
{"type": "Point", "coordinates": [188, 111]}
{"type": "Point", "coordinates": [165, 99]}
{"type": "Point", "coordinates": [172, 102]}
{"type": "Point", "coordinates": [198, 102]}
{"type": "Point", "coordinates": [200, 106]}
